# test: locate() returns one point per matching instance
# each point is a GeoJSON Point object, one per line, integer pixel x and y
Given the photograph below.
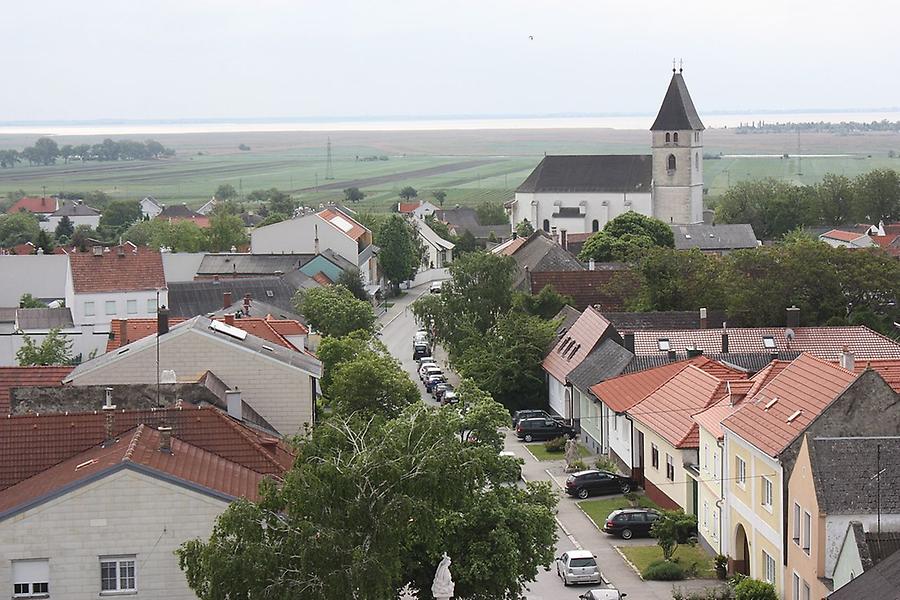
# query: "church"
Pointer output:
{"type": "Point", "coordinates": [580, 194]}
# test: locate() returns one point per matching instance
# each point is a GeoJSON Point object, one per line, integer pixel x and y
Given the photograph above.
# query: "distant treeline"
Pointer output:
{"type": "Point", "coordinates": [844, 127]}
{"type": "Point", "coordinates": [46, 151]}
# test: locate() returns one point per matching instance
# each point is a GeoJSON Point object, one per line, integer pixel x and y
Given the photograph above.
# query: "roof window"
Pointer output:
{"type": "Point", "coordinates": [269, 348]}
{"type": "Point", "coordinates": [663, 344]}
{"type": "Point", "coordinates": [771, 402]}
{"type": "Point", "coordinates": [229, 330]}
{"type": "Point", "coordinates": [769, 342]}
{"type": "Point", "coordinates": [796, 414]}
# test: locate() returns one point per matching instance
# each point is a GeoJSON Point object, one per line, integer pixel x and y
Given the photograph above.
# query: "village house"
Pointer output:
{"type": "Point", "coordinates": [78, 213]}
{"type": "Point", "coordinates": [176, 213]}
{"type": "Point", "coordinates": [859, 553]}
{"type": "Point", "coordinates": [40, 206]}
{"type": "Point", "coordinates": [37, 324]}
{"type": "Point", "coordinates": [438, 251]}
{"type": "Point", "coordinates": [846, 239]}
{"type": "Point", "coordinates": [714, 239]}
{"type": "Point", "coordinates": [150, 207]}
{"type": "Point", "coordinates": [417, 209]}
{"type": "Point", "coordinates": [464, 219]}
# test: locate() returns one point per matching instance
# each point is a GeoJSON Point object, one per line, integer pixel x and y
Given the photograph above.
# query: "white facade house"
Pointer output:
{"type": "Point", "coordinates": [42, 276]}
{"type": "Point", "coordinates": [310, 233]}
{"type": "Point", "coordinates": [438, 251]}
{"type": "Point", "coordinates": [37, 323]}
{"type": "Point", "coordinates": [580, 194]}
{"type": "Point", "coordinates": [77, 212]}
{"type": "Point", "coordinates": [150, 207]}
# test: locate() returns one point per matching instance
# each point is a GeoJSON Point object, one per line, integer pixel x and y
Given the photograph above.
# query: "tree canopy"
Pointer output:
{"type": "Point", "coordinates": [334, 311]}
{"type": "Point", "coordinates": [225, 232]}
{"type": "Point", "coordinates": [353, 195]}
{"type": "Point", "coordinates": [626, 238]}
{"type": "Point", "coordinates": [401, 251]}
{"type": "Point", "coordinates": [18, 228]}
{"type": "Point", "coordinates": [408, 192]}
{"type": "Point", "coordinates": [54, 349]}
{"type": "Point", "coordinates": [118, 215]}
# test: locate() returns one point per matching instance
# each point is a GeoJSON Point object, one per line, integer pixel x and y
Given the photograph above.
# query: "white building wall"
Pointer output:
{"type": "Point", "coordinates": [40, 276]}
{"type": "Point", "coordinates": [836, 529]}
{"type": "Point", "coordinates": [84, 342]}
{"type": "Point", "coordinates": [101, 319]}
{"type": "Point", "coordinates": [50, 224]}
{"type": "Point", "coordinates": [602, 207]}
{"type": "Point", "coordinates": [124, 513]}
{"type": "Point", "coordinates": [557, 396]}
{"type": "Point", "coordinates": [621, 433]}
{"type": "Point", "coordinates": [848, 565]}
{"type": "Point", "coordinates": [298, 236]}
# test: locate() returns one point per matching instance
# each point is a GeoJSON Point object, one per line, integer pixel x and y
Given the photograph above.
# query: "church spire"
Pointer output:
{"type": "Point", "coordinates": [677, 111]}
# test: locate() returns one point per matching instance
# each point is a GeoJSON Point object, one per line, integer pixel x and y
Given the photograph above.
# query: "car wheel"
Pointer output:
{"type": "Point", "coordinates": [565, 581]}
{"type": "Point", "coordinates": [528, 437]}
{"type": "Point", "coordinates": [626, 534]}
{"type": "Point", "coordinates": [582, 493]}
{"type": "Point", "coordinates": [626, 487]}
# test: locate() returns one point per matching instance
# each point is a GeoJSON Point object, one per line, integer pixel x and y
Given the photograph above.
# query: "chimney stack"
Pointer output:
{"type": "Point", "coordinates": [109, 410]}
{"type": "Point", "coordinates": [628, 336]}
{"type": "Point", "coordinates": [704, 322]}
{"type": "Point", "coordinates": [847, 359]}
{"type": "Point", "coordinates": [592, 265]}
{"type": "Point", "coordinates": [793, 317]}
{"type": "Point", "coordinates": [246, 305]}
{"type": "Point", "coordinates": [215, 279]}
{"type": "Point", "coordinates": [226, 299]}
{"type": "Point", "coordinates": [229, 319]}
{"type": "Point", "coordinates": [165, 439]}
{"type": "Point", "coordinates": [724, 342]}
{"type": "Point", "coordinates": [316, 242]}
{"type": "Point", "coordinates": [672, 355]}
{"type": "Point", "coordinates": [162, 320]}
{"type": "Point", "coordinates": [692, 351]}
{"type": "Point", "coordinates": [234, 404]}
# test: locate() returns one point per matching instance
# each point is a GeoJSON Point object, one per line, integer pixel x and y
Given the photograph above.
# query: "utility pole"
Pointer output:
{"type": "Point", "coordinates": [157, 349]}
{"type": "Point", "coordinates": [878, 480]}
{"type": "Point", "coordinates": [241, 188]}
{"type": "Point", "coordinates": [329, 166]}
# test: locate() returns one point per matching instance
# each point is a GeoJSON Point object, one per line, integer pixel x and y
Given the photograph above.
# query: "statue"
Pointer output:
{"type": "Point", "coordinates": [571, 453]}
{"type": "Point", "coordinates": [443, 585]}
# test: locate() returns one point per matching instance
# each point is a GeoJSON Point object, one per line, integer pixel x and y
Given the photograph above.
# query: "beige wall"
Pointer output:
{"type": "Point", "coordinates": [802, 491]}
{"type": "Point", "coordinates": [709, 505]}
{"type": "Point", "coordinates": [676, 490]}
{"type": "Point", "coordinates": [124, 513]}
{"type": "Point", "coordinates": [280, 393]}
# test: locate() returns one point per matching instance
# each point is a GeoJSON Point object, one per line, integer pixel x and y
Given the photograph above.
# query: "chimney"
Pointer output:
{"type": "Point", "coordinates": [109, 410]}
{"type": "Point", "coordinates": [793, 317]}
{"type": "Point", "coordinates": [97, 250]}
{"type": "Point", "coordinates": [165, 439]}
{"type": "Point", "coordinates": [693, 351]}
{"type": "Point", "coordinates": [316, 242]}
{"type": "Point", "coordinates": [162, 320]}
{"type": "Point", "coordinates": [215, 279]}
{"type": "Point", "coordinates": [564, 239]}
{"type": "Point", "coordinates": [229, 319]}
{"type": "Point", "coordinates": [847, 359]}
{"type": "Point", "coordinates": [672, 355]}
{"type": "Point", "coordinates": [528, 279]}
{"type": "Point", "coordinates": [246, 305]}
{"type": "Point", "coordinates": [724, 342]}
{"type": "Point", "coordinates": [704, 322]}
{"type": "Point", "coordinates": [121, 251]}
{"type": "Point", "coordinates": [629, 341]}
{"type": "Point", "coordinates": [234, 404]}
{"type": "Point", "coordinates": [226, 299]}
{"type": "Point", "coordinates": [592, 265]}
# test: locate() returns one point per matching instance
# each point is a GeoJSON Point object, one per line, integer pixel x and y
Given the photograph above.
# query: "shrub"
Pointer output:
{"type": "Point", "coordinates": [721, 562]}
{"type": "Point", "coordinates": [605, 463]}
{"type": "Point", "coordinates": [673, 528]}
{"type": "Point", "coordinates": [754, 589]}
{"type": "Point", "coordinates": [555, 445]}
{"type": "Point", "coordinates": [663, 570]}
{"type": "Point", "coordinates": [720, 593]}
{"type": "Point", "coordinates": [577, 465]}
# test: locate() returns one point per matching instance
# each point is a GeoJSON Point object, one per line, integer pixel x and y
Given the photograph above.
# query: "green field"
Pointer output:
{"type": "Point", "coordinates": [472, 166]}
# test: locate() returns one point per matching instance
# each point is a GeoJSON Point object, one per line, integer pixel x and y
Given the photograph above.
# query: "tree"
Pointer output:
{"type": "Point", "coordinates": [373, 383]}
{"type": "Point", "coordinates": [225, 232]}
{"type": "Point", "coordinates": [353, 195]}
{"type": "Point", "coordinates": [44, 242]}
{"type": "Point", "coordinates": [546, 304]}
{"type": "Point", "coordinates": [65, 228]}
{"type": "Point", "coordinates": [524, 229]}
{"type": "Point", "coordinates": [280, 202]}
{"type": "Point", "coordinates": [440, 196]}
{"type": "Point", "coordinates": [66, 152]}
{"type": "Point", "coordinates": [753, 589]}
{"type": "Point", "coordinates": [369, 507]}
{"type": "Point", "coordinates": [834, 199]}
{"type": "Point", "coordinates": [335, 351]}
{"type": "Point", "coordinates": [678, 280]}
{"type": "Point", "coordinates": [29, 301]}
{"type": "Point", "coordinates": [491, 213]}
{"type": "Point", "coordinates": [672, 528]}
{"type": "Point", "coordinates": [55, 349]}
{"type": "Point", "coordinates": [83, 236]}
{"type": "Point", "coordinates": [465, 243]}
{"type": "Point", "coordinates": [9, 158]}
{"type": "Point", "coordinates": [225, 192]}
{"type": "Point", "coordinates": [46, 150]}
{"type": "Point", "coordinates": [117, 216]}
{"type": "Point", "coordinates": [605, 247]}
{"type": "Point", "coordinates": [334, 311]}
{"type": "Point", "coordinates": [18, 228]}
{"type": "Point", "coordinates": [401, 251]}
{"type": "Point", "coordinates": [638, 224]}
{"type": "Point", "coordinates": [271, 219]}
{"type": "Point", "coordinates": [408, 192]}
{"type": "Point", "coordinates": [876, 196]}
{"type": "Point", "coordinates": [352, 280]}
{"type": "Point", "coordinates": [770, 206]}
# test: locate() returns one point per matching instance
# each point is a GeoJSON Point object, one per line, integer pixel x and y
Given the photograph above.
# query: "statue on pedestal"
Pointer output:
{"type": "Point", "coordinates": [443, 586]}
{"type": "Point", "coordinates": [571, 453]}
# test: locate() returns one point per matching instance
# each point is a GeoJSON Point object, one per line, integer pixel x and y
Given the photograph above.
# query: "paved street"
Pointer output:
{"type": "Point", "coordinates": [398, 328]}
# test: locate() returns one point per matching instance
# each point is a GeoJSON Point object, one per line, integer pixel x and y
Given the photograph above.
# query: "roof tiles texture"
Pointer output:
{"type": "Point", "coordinates": [132, 330]}
{"type": "Point", "coordinates": [590, 174]}
{"type": "Point", "coordinates": [587, 288]}
{"type": "Point", "coordinates": [677, 110]}
{"type": "Point", "coordinates": [575, 344]}
{"type": "Point", "coordinates": [121, 269]}
{"type": "Point", "coordinates": [34, 204]}
{"type": "Point", "coordinates": [13, 377]}
{"type": "Point", "coordinates": [343, 223]}
{"type": "Point", "coordinates": [844, 471]}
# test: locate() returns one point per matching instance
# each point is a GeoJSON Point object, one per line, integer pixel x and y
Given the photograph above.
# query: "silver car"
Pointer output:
{"type": "Point", "coordinates": [578, 566]}
{"type": "Point", "coordinates": [603, 594]}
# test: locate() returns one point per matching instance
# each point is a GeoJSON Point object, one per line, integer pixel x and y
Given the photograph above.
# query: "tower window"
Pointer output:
{"type": "Point", "coordinates": [668, 138]}
{"type": "Point", "coordinates": [547, 225]}
{"type": "Point", "coordinates": [595, 225]}
{"type": "Point", "coordinates": [670, 162]}
{"type": "Point", "coordinates": [696, 161]}
{"type": "Point", "coordinates": [675, 137]}
{"type": "Point", "coordinates": [697, 136]}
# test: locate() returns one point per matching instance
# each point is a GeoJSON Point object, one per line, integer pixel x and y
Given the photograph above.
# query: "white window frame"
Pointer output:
{"type": "Point", "coordinates": [106, 305]}
{"type": "Point", "coordinates": [41, 565]}
{"type": "Point", "coordinates": [706, 515]}
{"type": "Point", "coordinates": [89, 309]}
{"type": "Point", "coordinates": [715, 471]}
{"type": "Point", "coordinates": [706, 457]}
{"type": "Point", "coordinates": [119, 561]}
{"type": "Point", "coordinates": [806, 533]}
{"type": "Point", "coordinates": [131, 307]}
{"type": "Point", "coordinates": [769, 567]}
{"type": "Point", "coordinates": [741, 470]}
{"type": "Point", "coordinates": [715, 523]}
{"type": "Point", "coordinates": [806, 591]}
{"type": "Point", "coordinates": [796, 527]}
{"type": "Point", "coordinates": [670, 463]}
{"type": "Point", "coordinates": [795, 590]}
{"type": "Point", "coordinates": [151, 306]}
{"type": "Point", "coordinates": [768, 491]}
{"type": "Point", "coordinates": [654, 456]}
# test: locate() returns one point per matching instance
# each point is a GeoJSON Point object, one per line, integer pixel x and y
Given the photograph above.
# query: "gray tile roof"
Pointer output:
{"type": "Point", "coordinates": [466, 219]}
{"type": "Point", "coordinates": [44, 318]}
{"type": "Point", "coordinates": [714, 237]}
{"type": "Point", "coordinates": [261, 310]}
{"type": "Point", "coordinates": [251, 264]}
{"type": "Point", "coordinates": [677, 110]}
{"type": "Point", "coordinates": [844, 472]}
{"type": "Point", "coordinates": [367, 253]}
{"type": "Point", "coordinates": [191, 298]}
{"type": "Point", "coordinates": [540, 253]}
{"type": "Point", "coordinates": [342, 263]}
{"type": "Point", "coordinates": [568, 315]}
{"type": "Point", "coordinates": [751, 362]}
{"type": "Point", "coordinates": [881, 581]}
{"type": "Point", "coordinates": [596, 173]}
{"type": "Point", "coordinates": [607, 360]}
{"type": "Point", "coordinates": [670, 319]}
{"type": "Point", "coordinates": [881, 545]}
{"type": "Point", "coordinates": [75, 209]}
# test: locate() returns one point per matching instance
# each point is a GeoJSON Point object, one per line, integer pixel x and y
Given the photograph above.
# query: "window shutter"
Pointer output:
{"type": "Point", "coordinates": [31, 571]}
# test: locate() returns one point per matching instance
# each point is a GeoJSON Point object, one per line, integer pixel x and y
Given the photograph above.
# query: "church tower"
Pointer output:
{"type": "Point", "coordinates": [677, 139]}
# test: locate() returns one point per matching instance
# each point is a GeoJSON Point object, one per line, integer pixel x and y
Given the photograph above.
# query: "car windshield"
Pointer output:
{"type": "Point", "coordinates": [582, 562]}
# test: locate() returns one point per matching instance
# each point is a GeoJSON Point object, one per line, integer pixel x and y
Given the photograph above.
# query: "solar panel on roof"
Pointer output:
{"type": "Point", "coordinates": [228, 330]}
{"type": "Point", "coordinates": [342, 223]}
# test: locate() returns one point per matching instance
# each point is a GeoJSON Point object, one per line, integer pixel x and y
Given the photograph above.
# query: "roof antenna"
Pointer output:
{"type": "Point", "coordinates": [673, 65]}
{"type": "Point", "coordinates": [680, 65]}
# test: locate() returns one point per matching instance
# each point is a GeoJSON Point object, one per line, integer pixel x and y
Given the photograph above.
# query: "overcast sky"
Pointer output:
{"type": "Point", "coordinates": [169, 59]}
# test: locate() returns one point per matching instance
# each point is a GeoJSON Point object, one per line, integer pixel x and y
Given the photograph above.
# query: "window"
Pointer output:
{"type": "Point", "coordinates": [595, 225]}
{"type": "Point", "coordinates": [151, 306]}
{"type": "Point", "coordinates": [117, 574]}
{"type": "Point", "coordinates": [807, 531]}
{"type": "Point", "coordinates": [796, 535]}
{"type": "Point", "coordinates": [615, 421]}
{"type": "Point", "coordinates": [715, 463]}
{"type": "Point", "coordinates": [706, 456]}
{"type": "Point", "coordinates": [670, 468]}
{"type": "Point", "coordinates": [30, 578]}
{"type": "Point", "coordinates": [670, 162]}
{"type": "Point", "coordinates": [668, 137]}
{"type": "Point", "coordinates": [769, 342]}
{"type": "Point", "coordinates": [705, 515]}
{"type": "Point", "coordinates": [769, 563]}
{"type": "Point", "coordinates": [89, 309]}
{"type": "Point", "coordinates": [767, 493]}
{"type": "Point", "coordinates": [715, 524]}
{"type": "Point", "coordinates": [132, 307]}
{"type": "Point", "coordinates": [697, 136]}
{"type": "Point", "coordinates": [675, 137]}
{"type": "Point", "coordinates": [805, 591]}
{"type": "Point", "coordinates": [654, 456]}
{"type": "Point", "coordinates": [547, 225]}
{"type": "Point", "coordinates": [795, 587]}
{"type": "Point", "coordinates": [110, 307]}
{"type": "Point", "coordinates": [663, 344]}
{"type": "Point", "coordinates": [741, 468]}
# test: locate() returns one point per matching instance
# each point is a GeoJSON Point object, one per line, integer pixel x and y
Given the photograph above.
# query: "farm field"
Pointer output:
{"type": "Point", "coordinates": [472, 166]}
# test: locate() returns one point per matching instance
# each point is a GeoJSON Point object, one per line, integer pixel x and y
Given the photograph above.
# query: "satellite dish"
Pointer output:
{"type": "Point", "coordinates": [790, 334]}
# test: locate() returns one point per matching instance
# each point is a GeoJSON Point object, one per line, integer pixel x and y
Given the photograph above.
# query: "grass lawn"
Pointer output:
{"type": "Point", "coordinates": [687, 557]}
{"type": "Point", "coordinates": [599, 509]}
{"type": "Point", "coordinates": [540, 453]}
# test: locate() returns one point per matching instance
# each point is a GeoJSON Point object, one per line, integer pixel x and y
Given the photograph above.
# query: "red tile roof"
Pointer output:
{"type": "Point", "coordinates": [824, 342]}
{"type": "Point", "coordinates": [30, 444]}
{"type": "Point", "coordinates": [576, 344]}
{"type": "Point", "coordinates": [131, 330]}
{"type": "Point", "coordinates": [806, 386]}
{"type": "Point", "coordinates": [135, 268]}
{"type": "Point", "coordinates": [587, 288]}
{"type": "Point", "coordinates": [407, 207]}
{"type": "Point", "coordinates": [322, 279]}
{"type": "Point", "coordinates": [844, 236]}
{"type": "Point", "coordinates": [13, 377]}
{"type": "Point", "coordinates": [888, 369]}
{"type": "Point", "coordinates": [509, 248]}
{"type": "Point", "coordinates": [343, 223]}
{"type": "Point", "coordinates": [622, 392]}
{"type": "Point", "coordinates": [34, 204]}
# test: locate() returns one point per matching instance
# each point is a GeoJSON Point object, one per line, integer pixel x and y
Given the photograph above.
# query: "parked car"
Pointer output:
{"type": "Point", "coordinates": [429, 369]}
{"type": "Point", "coordinates": [603, 594]}
{"type": "Point", "coordinates": [440, 388]}
{"type": "Point", "coordinates": [578, 566]}
{"type": "Point", "coordinates": [592, 481]}
{"type": "Point", "coordinates": [449, 397]}
{"type": "Point", "coordinates": [435, 287]}
{"type": "Point", "coordinates": [629, 522]}
{"type": "Point", "coordinates": [530, 413]}
{"type": "Point", "coordinates": [542, 429]}
{"type": "Point", "coordinates": [420, 350]}
{"type": "Point", "coordinates": [426, 359]}
{"type": "Point", "coordinates": [434, 380]}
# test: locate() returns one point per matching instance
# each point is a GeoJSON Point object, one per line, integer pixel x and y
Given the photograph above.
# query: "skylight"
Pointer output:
{"type": "Point", "coordinates": [342, 223]}
{"type": "Point", "coordinates": [663, 344]}
{"type": "Point", "coordinates": [227, 329]}
{"type": "Point", "coordinates": [769, 342]}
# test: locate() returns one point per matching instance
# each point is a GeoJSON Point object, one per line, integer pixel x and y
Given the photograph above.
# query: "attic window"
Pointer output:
{"type": "Point", "coordinates": [771, 402]}
{"type": "Point", "coordinates": [269, 348]}
{"type": "Point", "coordinates": [663, 344]}
{"type": "Point", "coordinates": [269, 293]}
{"type": "Point", "coordinates": [123, 350]}
{"type": "Point", "coordinates": [574, 350]}
{"type": "Point", "coordinates": [562, 345]}
{"type": "Point", "coordinates": [791, 418]}
{"type": "Point", "coordinates": [769, 342]}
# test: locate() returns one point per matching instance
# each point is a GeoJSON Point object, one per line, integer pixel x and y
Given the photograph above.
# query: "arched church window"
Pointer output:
{"type": "Point", "coordinates": [696, 161]}
{"type": "Point", "coordinates": [668, 138]}
{"type": "Point", "coordinates": [595, 225]}
{"type": "Point", "coordinates": [547, 225]}
{"type": "Point", "coordinates": [670, 162]}
{"type": "Point", "coordinates": [675, 137]}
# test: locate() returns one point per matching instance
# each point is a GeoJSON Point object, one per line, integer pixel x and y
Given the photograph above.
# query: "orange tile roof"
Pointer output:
{"type": "Point", "coordinates": [888, 369]}
{"type": "Point", "coordinates": [576, 344]}
{"type": "Point", "coordinates": [353, 229]}
{"type": "Point", "coordinates": [509, 248]}
{"type": "Point", "coordinates": [844, 236]}
{"type": "Point", "coordinates": [30, 444]}
{"type": "Point", "coordinates": [322, 279]}
{"type": "Point", "coordinates": [287, 327]}
{"type": "Point", "coordinates": [132, 330]}
{"type": "Point", "coordinates": [34, 204]}
{"type": "Point", "coordinates": [136, 268]}
{"type": "Point", "coordinates": [407, 207]}
{"type": "Point", "coordinates": [807, 385]}
{"type": "Point", "coordinates": [13, 377]}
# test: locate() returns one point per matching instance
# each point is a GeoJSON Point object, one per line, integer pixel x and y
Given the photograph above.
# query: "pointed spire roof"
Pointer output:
{"type": "Point", "coordinates": [677, 111]}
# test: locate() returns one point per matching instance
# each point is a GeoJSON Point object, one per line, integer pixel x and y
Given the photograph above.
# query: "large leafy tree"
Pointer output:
{"type": "Point", "coordinates": [369, 507]}
{"type": "Point", "coordinates": [834, 199]}
{"type": "Point", "coordinates": [118, 215]}
{"type": "Point", "coordinates": [353, 195]}
{"type": "Point", "coordinates": [334, 351]}
{"type": "Point", "coordinates": [55, 349]}
{"type": "Point", "coordinates": [373, 383]}
{"type": "Point", "coordinates": [408, 192]}
{"type": "Point", "coordinates": [225, 191]}
{"type": "Point", "coordinates": [352, 280]}
{"type": "Point", "coordinates": [626, 238]}
{"type": "Point", "coordinates": [877, 196]}
{"type": "Point", "coordinates": [401, 252]}
{"type": "Point", "coordinates": [18, 228]}
{"type": "Point", "coordinates": [678, 280]}
{"type": "Point", "coordinates": [641, 225]}
{"type": "Point", "coordinates": [334, 311]}
{"type": "Point", "coordinates": [491, 213]}
{"type": "Point", "coordinates": [770, 206]}
{"type": "Point", "coordinates": [546, 304]}
{"type": "Point", "coordinates": [225, 232]}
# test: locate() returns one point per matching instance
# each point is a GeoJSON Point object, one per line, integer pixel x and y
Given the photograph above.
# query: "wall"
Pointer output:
{"type": "Point", "coordinates": [84, 341]}
{"type": "Point", "coordinates": [40, 276]}
{"type": "Point", "coordinates": [848, 564]}
{"type": "Point", "coordinates": [298, 236]}
{"type": "Point", "coordinates": [557, 397]}
{"type": "Point", "coordinates": [666, 493]}
{"type": "Point", "coordinates": [678, 194]}
{"type": "Point", "coordinates": [710, 490]}
{"type": "Point", "coordinates": [594, 208]}
{"type": "Point", "coordinates": [280, 393]}
{"type": "Point", "coordinates": [100, 320]}
{"type": "Point", "coordinates": [124, 513]}
{"type": "Point", "coordinates": [621, 434]}
{"type": "Point", "coordinates": [802, 491]}
{"type": "Point", "coordinates": [90, 220]}
{"type": "Point", "coordinates": [591, 422]}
